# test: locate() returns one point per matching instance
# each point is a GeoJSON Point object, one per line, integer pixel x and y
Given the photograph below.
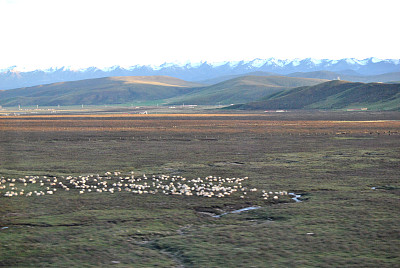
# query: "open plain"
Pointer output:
{"type": "Point", "coordinates": [345, 166]}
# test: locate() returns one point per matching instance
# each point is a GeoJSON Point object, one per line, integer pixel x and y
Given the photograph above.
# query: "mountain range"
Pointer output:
{"type": "Point", "coordinates": [348, 68]}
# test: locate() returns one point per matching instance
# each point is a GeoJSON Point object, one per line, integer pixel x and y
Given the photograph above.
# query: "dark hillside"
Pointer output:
{"type": "Point", "coordinates": [333, 95]}
{"type": "Point", "coordinates": [349, 76]}
{"type": "Point", "coordinates": [220, 79]}
{"type": "Point", "coordinates": [243, 89]}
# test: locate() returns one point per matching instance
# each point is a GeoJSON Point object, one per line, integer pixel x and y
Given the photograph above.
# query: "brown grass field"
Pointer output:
{"type": "Point", "coordinates": [333, 159]}
{"type": "Point", "coordinates": [199, 123]}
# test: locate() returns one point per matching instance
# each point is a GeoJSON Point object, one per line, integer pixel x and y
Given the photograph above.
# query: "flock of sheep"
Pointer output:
{"type": "Point", "coordinates": [112, 182]}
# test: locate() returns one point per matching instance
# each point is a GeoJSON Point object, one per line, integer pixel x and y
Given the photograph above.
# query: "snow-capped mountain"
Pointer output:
{"type": "Point", "coordinates": [15, 77]}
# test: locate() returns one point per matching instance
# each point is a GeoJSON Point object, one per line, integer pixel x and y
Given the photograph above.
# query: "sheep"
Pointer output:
{"type": "Point", "coordinates": [209, 186]}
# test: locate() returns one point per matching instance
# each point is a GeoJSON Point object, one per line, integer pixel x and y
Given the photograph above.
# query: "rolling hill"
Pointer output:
{"type": "Point", "coordinates": [347, 75]}
{"type": "Point", "coordinates": [333, 95]}
{"type": "Point", "coordinates": [387, 77]}
{"type": "Point", "coordinates": [223, 78]}
{"type": "Point", "coordinates": [110, 90]}
{"type": "Point", "coordinates": [258, 92]}
{"type": "Point", "coordinates": [242, 89]}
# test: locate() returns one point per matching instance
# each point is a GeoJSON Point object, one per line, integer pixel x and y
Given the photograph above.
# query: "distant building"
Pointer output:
{"type": "Point", "coordinates": [275, 111]}
{"type": "Point", "coordinates": [357, 109]}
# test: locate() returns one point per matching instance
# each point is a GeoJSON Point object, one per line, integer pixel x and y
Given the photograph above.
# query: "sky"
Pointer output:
{"type": "Point", "coordinates": [101, 33]}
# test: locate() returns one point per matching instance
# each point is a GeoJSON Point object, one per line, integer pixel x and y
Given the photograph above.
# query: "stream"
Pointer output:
{"type": "Point", "coordinates": [237, 211]}
{"type": "Point", "coordinates": [295, 198]}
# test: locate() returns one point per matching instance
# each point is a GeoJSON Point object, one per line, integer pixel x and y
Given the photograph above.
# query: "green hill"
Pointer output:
{"type": "Point", "coordinates": [223, 78]}
{"type": "Point", "coordinates": [386, 77]}
{"type": "Point", "coordinates": [333, 95]}
{"type": "Point", "coordinates": [243, 89]}
{"type": "Point", "coordinates": [317, 74]}
{"type": "Point", "coordinates": [110, 90]}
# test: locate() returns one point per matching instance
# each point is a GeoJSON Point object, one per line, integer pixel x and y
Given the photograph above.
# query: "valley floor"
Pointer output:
{"type": "Point", "coordinates": [343, 164]}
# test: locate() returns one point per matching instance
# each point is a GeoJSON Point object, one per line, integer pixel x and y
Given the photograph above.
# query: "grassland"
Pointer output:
{"type": "Point", "coordinates": [242, 89]}
{"type": "Point", "coordinates": [99, 91]}
{"type": "Point", "coordinates": [333, 95]}
{"type": "Point", "coordinates": [333, 159]}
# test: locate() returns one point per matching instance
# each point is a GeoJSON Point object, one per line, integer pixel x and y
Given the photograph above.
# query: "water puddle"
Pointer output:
{"type": "Point", "coordinates": [385, 187]}
{"type": "Point", "coordinates": [296, 197]}
{"type": "Point", "coordinates": [236, 211]}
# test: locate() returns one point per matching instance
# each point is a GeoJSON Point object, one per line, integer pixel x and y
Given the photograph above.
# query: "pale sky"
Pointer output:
{"type": "Point", "coordinates": [83, 33]}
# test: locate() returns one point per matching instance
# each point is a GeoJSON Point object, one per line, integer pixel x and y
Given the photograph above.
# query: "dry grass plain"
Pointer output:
{"type": "Point", "coordinates": [332, 159]}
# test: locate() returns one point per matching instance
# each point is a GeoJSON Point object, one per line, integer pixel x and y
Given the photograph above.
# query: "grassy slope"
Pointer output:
{"type": "Point", "coordinates": [317, 74]}
{"type": "Point", "coordinates": [243, 89]}
{"type": "Point", "coordinates": [223, 78]}
{"type": "Point", "coordinates": [110, 90]}
{"type": "Point", "coordinates": [387, 77]}
{"type": "Point", "coordinates": [334, 95]}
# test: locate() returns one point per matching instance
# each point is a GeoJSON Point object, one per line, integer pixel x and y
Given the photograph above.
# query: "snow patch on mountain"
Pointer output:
{"type": "Point", "coordinates": [257, 63]}
{"type": "Point", "coordinates": [296, 62]}
{"type": "Point", "coordinates": [16, 76]}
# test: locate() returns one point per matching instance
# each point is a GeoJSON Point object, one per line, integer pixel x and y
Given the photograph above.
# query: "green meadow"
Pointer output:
{"type": "Point", "coordinates": [347, 176]}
